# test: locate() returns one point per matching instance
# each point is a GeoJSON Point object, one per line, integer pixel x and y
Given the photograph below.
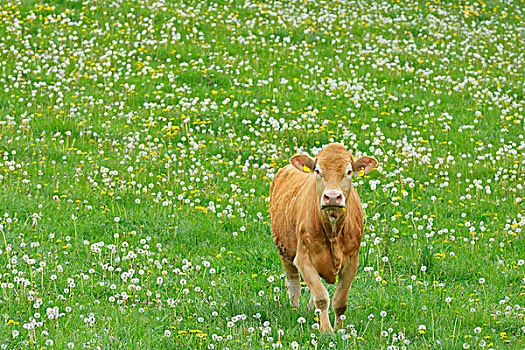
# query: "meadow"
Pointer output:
{"type": "Point", "coordinates": [138, 141]}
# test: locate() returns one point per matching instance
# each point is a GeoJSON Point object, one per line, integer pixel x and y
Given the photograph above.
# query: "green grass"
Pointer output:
{"type": "Point", "coordinates": [138, 141]}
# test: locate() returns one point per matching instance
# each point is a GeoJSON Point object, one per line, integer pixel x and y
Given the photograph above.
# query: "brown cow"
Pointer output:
{"type": "Point", "coordinates": [317, 224]}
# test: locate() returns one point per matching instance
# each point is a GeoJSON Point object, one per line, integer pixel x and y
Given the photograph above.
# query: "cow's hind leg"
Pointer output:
{"type": "Point", "coordinates": [346, 276]}
{"type": "Point", "coordinates": [293, 281]}
{"type": "Point", "coordinates": [319, 293]}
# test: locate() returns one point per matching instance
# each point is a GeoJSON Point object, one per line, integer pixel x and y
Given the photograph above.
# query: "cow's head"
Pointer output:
{"type": "Point", "coordinates": [333, 168]}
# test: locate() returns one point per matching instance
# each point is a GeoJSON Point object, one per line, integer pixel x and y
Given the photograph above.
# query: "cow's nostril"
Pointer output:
{"type": "Point", "coordinates": [326, 197]}
{"type": "Point", "coordinates": [339, 197]}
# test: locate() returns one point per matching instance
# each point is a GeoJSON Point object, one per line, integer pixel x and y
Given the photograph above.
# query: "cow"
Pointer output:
{"type": "Point", "coordinates": [317, 224]}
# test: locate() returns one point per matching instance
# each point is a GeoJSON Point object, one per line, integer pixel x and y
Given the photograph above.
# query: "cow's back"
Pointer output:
{"type": "Point", "coordinates": [286, 193]}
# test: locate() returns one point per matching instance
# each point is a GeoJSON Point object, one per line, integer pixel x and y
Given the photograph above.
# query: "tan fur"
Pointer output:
{"type": "Point", "coordinates": [308, 240]}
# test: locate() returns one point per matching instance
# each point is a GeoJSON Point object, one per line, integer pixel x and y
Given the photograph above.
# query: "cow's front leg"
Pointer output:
{"type": "Point", "coordinates": [346, 276]}
{"type": "Point", "coordinates": [319, 293]}
{"type": "Point", "coordinates": [293, 281]}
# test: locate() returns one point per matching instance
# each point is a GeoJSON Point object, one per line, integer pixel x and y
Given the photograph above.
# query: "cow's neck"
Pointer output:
{"type": "Point", "coordinates": [333, 231]}
{"type": "Point", "coordinates": [333, 222]}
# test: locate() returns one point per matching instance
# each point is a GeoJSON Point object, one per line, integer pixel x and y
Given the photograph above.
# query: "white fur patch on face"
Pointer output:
{"type": "Point", "coordinates": [349, 171]}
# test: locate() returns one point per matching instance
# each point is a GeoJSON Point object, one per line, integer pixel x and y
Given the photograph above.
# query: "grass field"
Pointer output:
{"type": "Point", "coordinates": [138, 140]}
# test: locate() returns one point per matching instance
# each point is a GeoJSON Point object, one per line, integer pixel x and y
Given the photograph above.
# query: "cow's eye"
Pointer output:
{"type": "Point", "coordinates": [349, 173]}
{"type": "Point", "coordinates": [317, 172]}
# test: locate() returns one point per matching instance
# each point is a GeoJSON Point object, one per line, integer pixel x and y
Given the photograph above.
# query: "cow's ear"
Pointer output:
{"type": "Point", "coordinates": [304, 163]}
{"type": "Point", "coordinates": [365, 163]}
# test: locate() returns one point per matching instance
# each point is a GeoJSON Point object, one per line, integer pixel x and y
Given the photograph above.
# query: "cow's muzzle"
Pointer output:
{"type": "Point", "coordinates": [332, 200]}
